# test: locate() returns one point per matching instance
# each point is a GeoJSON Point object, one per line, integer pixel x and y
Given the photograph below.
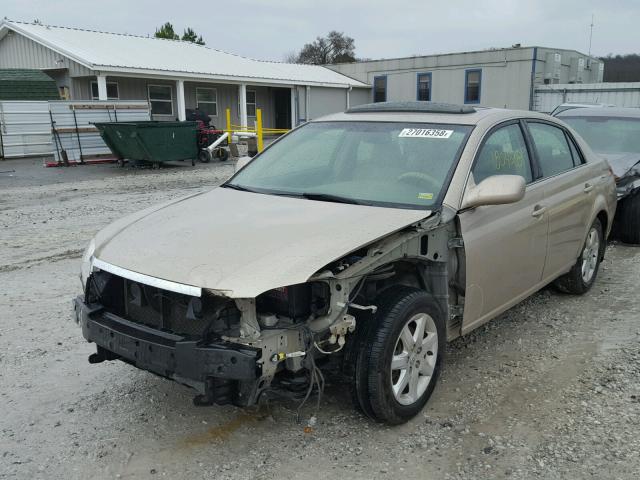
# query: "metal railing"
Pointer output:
{"type": "Point", "coordinates": [259, 131]}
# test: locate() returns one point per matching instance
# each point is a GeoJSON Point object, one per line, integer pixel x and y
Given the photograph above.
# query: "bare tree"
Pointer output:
{"type": "Point", "coordinates": [290, 57]}
{"type": "Point", "coordinates": [336, 47]}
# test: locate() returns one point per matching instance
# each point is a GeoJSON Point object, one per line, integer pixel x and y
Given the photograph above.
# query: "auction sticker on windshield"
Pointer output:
{"type": "Point", "coordinates": [425, 133]}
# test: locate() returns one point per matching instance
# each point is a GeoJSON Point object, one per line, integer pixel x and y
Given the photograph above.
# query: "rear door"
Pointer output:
{"type": "Point", "coordinates": [505, 245]}
{"type": "Point", "coordinates": [569, 194]}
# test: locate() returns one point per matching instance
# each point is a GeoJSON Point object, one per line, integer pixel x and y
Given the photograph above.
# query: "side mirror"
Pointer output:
{"type": "Point", "coordinates": [242, 161]}
{"type": "Point", "coordinates": [495, 190]}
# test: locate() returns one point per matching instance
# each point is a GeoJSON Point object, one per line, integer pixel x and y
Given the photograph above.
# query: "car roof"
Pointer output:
{"type": "Point", "coordinates": [601, 112]}
{"type": "Point", "coordinates": [429, 112]}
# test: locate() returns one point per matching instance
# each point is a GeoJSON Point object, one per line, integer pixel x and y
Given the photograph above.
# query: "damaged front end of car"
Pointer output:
{"type": "Point", "coordinates": [239, 350]}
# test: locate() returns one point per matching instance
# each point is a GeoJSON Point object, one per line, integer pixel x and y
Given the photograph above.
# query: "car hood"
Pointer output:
{"type": "Point", "coordinates": [622, 163]}
{"type": "Point", "coordinates": [243, 244]}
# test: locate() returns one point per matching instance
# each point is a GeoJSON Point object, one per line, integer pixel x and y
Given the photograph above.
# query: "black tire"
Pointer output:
{"type": "Point", "coordinates": [223, 154]}
{"type": "Point", "coordinates": [627, 220]}
{"type": "Point", "coordinates": [573, 282]}
{"type": "Point", "coordinates": [204, 156]}
{"type": "Point", "coordinates": [355, 368]}
{"type": "Point", "coordinates": [372, 372]}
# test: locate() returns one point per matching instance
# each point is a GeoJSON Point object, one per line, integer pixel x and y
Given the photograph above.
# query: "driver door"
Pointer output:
{"type": "Point", "coordinates": [505, 245]}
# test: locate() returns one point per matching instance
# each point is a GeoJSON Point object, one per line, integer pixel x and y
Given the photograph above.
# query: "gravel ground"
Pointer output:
{"type": "Point", "coordinates": [551, 389]}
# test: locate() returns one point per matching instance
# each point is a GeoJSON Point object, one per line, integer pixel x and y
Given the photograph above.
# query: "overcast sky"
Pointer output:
{"type": "Point", "coordinates": [381, 29]}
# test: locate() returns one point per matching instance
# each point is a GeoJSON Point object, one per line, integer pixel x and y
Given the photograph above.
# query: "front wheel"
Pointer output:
{"type": "Point", "coordinates": [402, 356]}
{"type": "Point", "coordinates": [583, 274]}
{"type": "Point", "coordinates": [204, 156]}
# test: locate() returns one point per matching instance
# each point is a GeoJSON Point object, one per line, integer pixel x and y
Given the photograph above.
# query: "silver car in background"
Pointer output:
{"type": "Point", "coordinates": [357, 245]}
{"type": "Point", "coordinates": [614, 134]}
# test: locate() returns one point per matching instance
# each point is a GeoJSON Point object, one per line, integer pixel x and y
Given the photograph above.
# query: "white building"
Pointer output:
{"type": "Point", "coordinates": [175, 75]}
{"type": "Point", "coordinates": [494, 78]}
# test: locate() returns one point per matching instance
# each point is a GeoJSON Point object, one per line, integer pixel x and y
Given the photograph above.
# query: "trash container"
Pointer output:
{"type": "Point", "coordinates": [151, 141]}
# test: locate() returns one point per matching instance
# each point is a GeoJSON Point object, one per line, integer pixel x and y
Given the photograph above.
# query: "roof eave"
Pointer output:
{"type": "Point", "coordinates": [198, 76]}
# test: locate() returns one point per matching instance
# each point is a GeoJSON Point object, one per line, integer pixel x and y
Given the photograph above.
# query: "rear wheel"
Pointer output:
{"type": "Point", "coordinates": [627, 220]}
{"type": "Point", "coordinates": [223, 154]}
{"type": "Point", "coordinates": [583, 274]}
{"type": "Point", "coordinates": [400, 360]}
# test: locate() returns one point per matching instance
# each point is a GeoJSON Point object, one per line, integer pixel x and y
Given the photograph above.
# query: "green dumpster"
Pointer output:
{"type": "Point", "coordinates": [150, 141]}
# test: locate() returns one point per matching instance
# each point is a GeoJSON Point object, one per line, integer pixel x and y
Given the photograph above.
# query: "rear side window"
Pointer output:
{"type": "Point", "coordinates": [554, 153]}
{"type": "Point", "coordinates": [504, 152]}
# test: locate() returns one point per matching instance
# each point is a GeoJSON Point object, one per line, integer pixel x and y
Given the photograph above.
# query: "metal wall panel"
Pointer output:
{"type": "Point", "coordinates": [623, 94]}
{"type": "Point", "coordinates": [25, 129]}
{"type": "Point", "coordinates": [17, 51]}
{"type": "Point", "coordinates": [87, 141]}
{"type": "Point", "coordinates": [324, 101]}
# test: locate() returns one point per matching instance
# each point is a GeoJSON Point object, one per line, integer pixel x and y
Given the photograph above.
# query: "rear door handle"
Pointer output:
{"type": "Point", "coordinates": [538, 211]}
{"type": "Point", "coordinates": [587, 187]}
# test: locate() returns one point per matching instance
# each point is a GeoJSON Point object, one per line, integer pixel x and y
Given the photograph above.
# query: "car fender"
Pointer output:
{"type": "Point", "coordinates": [604, 201]}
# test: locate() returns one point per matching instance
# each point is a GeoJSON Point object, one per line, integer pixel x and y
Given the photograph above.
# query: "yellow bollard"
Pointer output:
{"type": "Point", "coordinates": [229, 125]}
{"type": "Point", "coordinates": [259, 129]}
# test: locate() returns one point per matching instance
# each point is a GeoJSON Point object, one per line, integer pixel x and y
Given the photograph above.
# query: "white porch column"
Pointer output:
{"type": "Point", "coordinates": [307, 99]}
{"type": "Point", "coordinates": [294, 112]}
{"type": "Point", "coordinates": [102, 87]}
{"type": "Point", "coordinates": [182, 114]}
{"type": "Point", "coordinates": [242, 95]}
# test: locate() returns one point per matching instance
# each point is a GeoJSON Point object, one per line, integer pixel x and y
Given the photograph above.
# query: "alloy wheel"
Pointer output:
{"type": "Point", "coordinates": [414, 359]}
{"type": "Point", "coordinates": [590, 255]}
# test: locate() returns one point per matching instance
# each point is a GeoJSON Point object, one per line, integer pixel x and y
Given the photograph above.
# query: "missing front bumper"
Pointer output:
{"type": "Point", "coordinates": [166, 354]}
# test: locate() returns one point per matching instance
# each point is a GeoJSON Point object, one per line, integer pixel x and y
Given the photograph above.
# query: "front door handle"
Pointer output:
{"type": "Point", "coordinates": [538, 211]}
{"type": "Point", "coordinates": [587, 187]}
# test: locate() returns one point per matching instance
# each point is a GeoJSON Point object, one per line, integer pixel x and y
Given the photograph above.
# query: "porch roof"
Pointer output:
{"type": "Point", "coordinates": [122, 53]}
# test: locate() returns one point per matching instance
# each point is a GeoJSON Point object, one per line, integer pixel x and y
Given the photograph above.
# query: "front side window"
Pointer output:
{"type": "Point", "coordinates": [472, 86]}
{"type": "Point", "coordinates": [554, 154]}
{"type": "Point", "coordinates": [380, 89]}
{"type": "Point", "coordinates": [387, 164]}
{"type": "Point", "coordinates": [112, 91]}
{"type": "Point", "coordinates": [207, 100]}
{"type": "Point", "coordinates": [504, 152]}
{"type": "Point", "coordinates": [161, 99]}
{"type": "Point", "coordinates": [424, 87]}
{"type": "Point", "coordinates": [607, 134]}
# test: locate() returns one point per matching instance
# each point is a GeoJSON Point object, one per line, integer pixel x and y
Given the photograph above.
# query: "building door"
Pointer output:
{"type": "Point", "coordinates": [282, 107]}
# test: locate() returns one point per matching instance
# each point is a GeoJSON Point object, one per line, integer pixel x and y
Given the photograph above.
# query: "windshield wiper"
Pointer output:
{"type": "Point", "coordinates": [327, 197]}
{"type": "Point", "coordinates": [238, 187]}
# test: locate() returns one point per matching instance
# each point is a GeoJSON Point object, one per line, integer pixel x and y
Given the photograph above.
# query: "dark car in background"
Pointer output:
{"type": "Point", "coordinates": [614, 133]}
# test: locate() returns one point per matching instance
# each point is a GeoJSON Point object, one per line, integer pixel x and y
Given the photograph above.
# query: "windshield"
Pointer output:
{"type": "Point", "coordinates": [372, 163]}
{"type": "Point", "coordinates": [608, 134]}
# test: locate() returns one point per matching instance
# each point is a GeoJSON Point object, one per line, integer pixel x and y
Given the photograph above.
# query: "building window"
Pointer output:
{"type": "Point", "coordinates": [112, 90]}
{"type": "Point", "coordinates": [251, 103]}
{"type": "Point", "coordinates": [472, 86]}
{"type": "Point", "coordinates": [424, 87]}
{"type": "Point", "coordinates": [380, 89]}
{"type": "Point", "coordinates": [207, 101]}
{"type": "Point", "coordinates": [161, 99]}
